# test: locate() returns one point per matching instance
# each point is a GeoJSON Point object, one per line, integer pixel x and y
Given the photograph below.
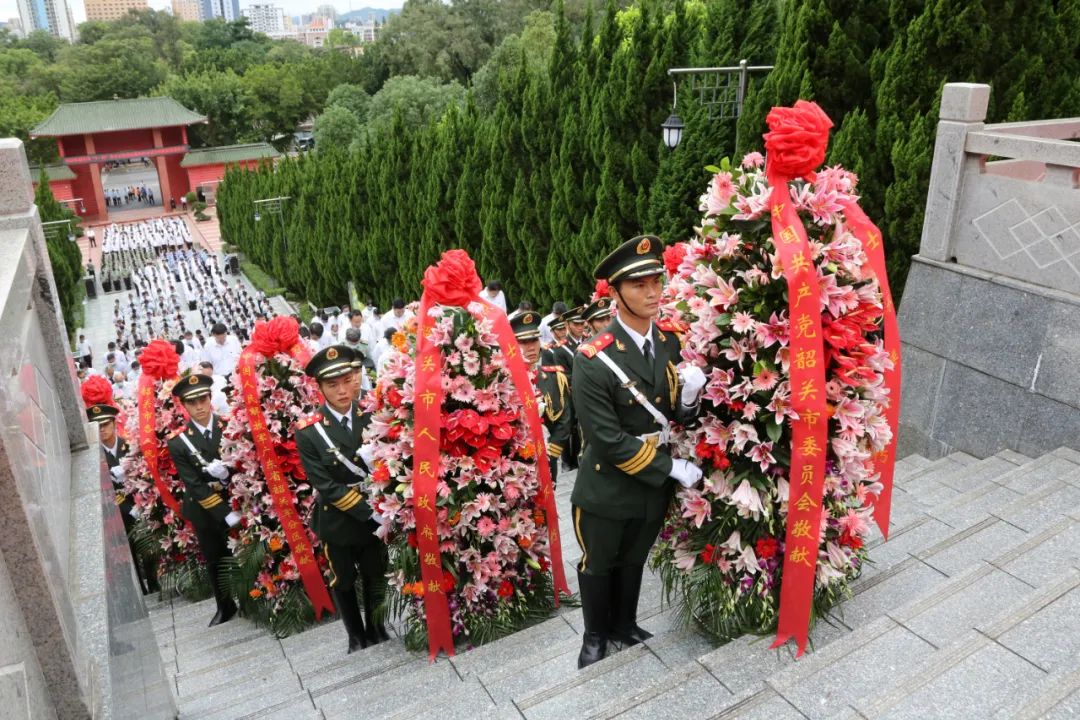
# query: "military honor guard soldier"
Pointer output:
{"type": "Point", "coordinates": [115, 448]}
{"type": "Point", "coordinates": [598, 315]}
{"type": "Point", "coordinates": [552, 388]}
{"type": "Point", "coordinates": [330, 450]}
{"type": "Point", "coordinates": [196, 452]}
{"type": "Point", "coordinates": [627, 392]}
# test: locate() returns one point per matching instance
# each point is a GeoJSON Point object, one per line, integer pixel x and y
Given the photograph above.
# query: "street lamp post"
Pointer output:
{"type": "Point", "coordinates": [274, 206]}
{"type": "Point", "coordinates": [721, 90]}
{"type": "Point", "coordinates": [52, 229]}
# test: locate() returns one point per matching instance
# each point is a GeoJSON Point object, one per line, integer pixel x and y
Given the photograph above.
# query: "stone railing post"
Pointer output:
{"type": "Point", "coordinates": [963, 110]}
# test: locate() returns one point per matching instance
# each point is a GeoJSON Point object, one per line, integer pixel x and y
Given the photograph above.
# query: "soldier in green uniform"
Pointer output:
{"type": "Point", "coordinates": [598, 315]}
{"type": "Point", "coordinates": [558, 331]}
{"type": "Point", "coordinates": [627, 392]}
{"type": "Point", "coordinates": [196, 452]}
{"type": "Point", "coordinates": [330, 450]}
{"type": "Point", "coordinates": [115, 448]}
{"type": "Point", "coordinates": [551, 385]}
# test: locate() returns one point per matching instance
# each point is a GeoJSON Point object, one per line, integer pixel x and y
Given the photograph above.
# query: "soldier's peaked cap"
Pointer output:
{"type": "Point", "coordinates": [193, 386]}
{"type": "Point", "coordinates": [598, 310]}
{"type": "Point", "coordinates": [332, 362]}
{"type": "Point", "coordinates": [100, 413]}
{"type": "Point", "coordinates": [638, 257]}
{"type": "Point", "coordinates": [526, 325]}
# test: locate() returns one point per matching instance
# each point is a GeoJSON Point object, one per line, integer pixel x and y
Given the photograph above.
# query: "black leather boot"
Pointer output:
{"type": "Point", "coordinates": [374, 590]}
{"type": "Point", "coordinates": [626, 588]}
{"type": "Point", "coordinates": [595, 593]}
{"type": "Point", "coordinates": [226, 608]}
{"type": "Point", "coordinates": [345, 599]}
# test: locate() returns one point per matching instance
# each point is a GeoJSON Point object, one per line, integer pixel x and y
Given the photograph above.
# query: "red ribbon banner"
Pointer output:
{"type": "Point", "coordinates": [281, 493]}
{"type": "Point", "coordinates": [867, 233]}
{"type": "Point", "coordinates": [148, 441]}
{"type": "Point", "coordinates": [526, 395]}
{"type": "Point", "coordinates": [795, 146]}
{"type": "Point", "coordinates": [453, 282]}
{"type": "Point", "coordinates": [427, 407]}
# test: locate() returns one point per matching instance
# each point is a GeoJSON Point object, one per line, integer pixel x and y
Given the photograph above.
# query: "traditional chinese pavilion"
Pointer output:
{"type": "Point", "coordinates": [90, 134]}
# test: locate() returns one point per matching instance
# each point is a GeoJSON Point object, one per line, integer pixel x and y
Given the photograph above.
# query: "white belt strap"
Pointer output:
{"type": "Point", "coordinates": [638, 396]}
{"type": "Point", "coordinates": [196, 453]}
{"type": "Point", "coordinates": [350, 466]}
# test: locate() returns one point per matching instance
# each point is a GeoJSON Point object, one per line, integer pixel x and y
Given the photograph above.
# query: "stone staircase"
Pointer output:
{"type": "Point", "coordinates": [971, 610]}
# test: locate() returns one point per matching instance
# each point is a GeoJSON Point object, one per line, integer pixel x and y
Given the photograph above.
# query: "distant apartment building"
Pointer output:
{"type": "Point", "coordinates": [52, 16]}
{"type": "Point", "coordinates": [366, 31]}
{"type": "Point", "coordinates": [187, 10]}
{"type": "Point", "coordinates": [314, 33]}
{"type": "Point", "coordinates": [229, 10]}
{"type": "Point", "coordinates": [265, 18]}
{"type": "Point", "coordinates": [109, 10]}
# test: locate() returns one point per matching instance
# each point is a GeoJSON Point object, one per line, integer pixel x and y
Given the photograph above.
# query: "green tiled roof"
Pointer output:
{"type": "Point", "coordinates": [53, 172]}
{"type": "Point", "coordinates": [110, 115]}
{"type": "Point", "coordinates": [229, 154]}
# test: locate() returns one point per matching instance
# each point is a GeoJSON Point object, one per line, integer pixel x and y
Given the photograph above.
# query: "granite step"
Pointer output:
{"type": "Point", "coordinates": [913, 461]}
{"type": "Point", "coordinates": [1056, 698]}
{"type": "Point", "coordinates": [988, 668]}
{"type": "Point", "coordinates": [819, 685]}
{"type": "Point", "coordinates": [949, 462]}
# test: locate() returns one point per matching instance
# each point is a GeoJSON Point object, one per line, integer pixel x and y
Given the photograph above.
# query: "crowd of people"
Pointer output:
{"type": "Point", "coordinates": [137, 194]}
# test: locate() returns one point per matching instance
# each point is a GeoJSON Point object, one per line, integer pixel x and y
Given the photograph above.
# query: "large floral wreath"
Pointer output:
{"type": "Point", "coordinates": [161, 532]}
{"type": "Point", "coordinates": [722, 548]}
{"type": "Point", "coordinates": [263, 572]}
{"type": "Point", "coordinates": [492, 529]}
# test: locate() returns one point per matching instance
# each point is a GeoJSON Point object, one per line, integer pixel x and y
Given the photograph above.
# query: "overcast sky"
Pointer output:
{"type": "Point", "coordinates": [10, 8]}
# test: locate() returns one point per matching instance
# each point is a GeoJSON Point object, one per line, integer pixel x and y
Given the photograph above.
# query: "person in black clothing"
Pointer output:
{"type": "Point", "coordinates": [330, 450]}
{"type": "Point", "coordinates": [115, 448]}
{"type": "Point", "coordinates": [196, 452]}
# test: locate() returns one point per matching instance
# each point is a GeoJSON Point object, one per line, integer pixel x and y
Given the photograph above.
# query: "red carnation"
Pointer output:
{"type": "Point", "coordinates": [96, 391]}
{"type": "Point", "coordinates": [601, 290]}
{"type": "Point", "coordinates": [448, 583]}
{"type": "Point", "coordinates": [796, 141]}
{"type": "Point", "coordinates": [411, 539]}
{"type": "Point", "coordinates": [766, 548]}
{"type": "Point", "coordinates": [393, 397]}
{"type": "Point", "coordinates": [707, 554]}
{"type": "Point", "coordinates": [506, 589]}
{"type": "Point", "coordinates": [851, 540]}
{"type": "Point", "coordinates": [159, 360]}
{"type": "Point", "coordinates": [673, 257]}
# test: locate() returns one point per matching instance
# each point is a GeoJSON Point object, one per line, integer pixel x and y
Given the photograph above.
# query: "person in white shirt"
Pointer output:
{"type": "Point", "coordinates": [546, 336]}
{"type": "Point", "coordinates": [223, 351]}
{"type": "Point", "coordinates": [382, 351]}
{"type": "Point", "coordinates": [218, 401]}
{"type": "Point", "coordinates": [493, 294]}
{"type": "Point", "coordinates": [396, 317]}
{"type": "Point", "coordinates": [84, 352]}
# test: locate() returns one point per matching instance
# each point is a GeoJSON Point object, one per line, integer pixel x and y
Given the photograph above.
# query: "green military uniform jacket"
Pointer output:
{"type": "Point", "coordinates": [620, 476]}
{"type": "Point", "coordinates": [205, 503]}
{"type": "Point", "coordinates": [123, 500]}
{"type": "Point", "coordinates": [561, 354]}
{"type": "Point", "coordinates": [341, 514]}
{"type": "Point", "coordinates": [553, 386]}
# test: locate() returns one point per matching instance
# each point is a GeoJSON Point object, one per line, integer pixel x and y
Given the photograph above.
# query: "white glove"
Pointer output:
{"type": "Point", "coordinates": [218, 470]}
{"type": "Point", "coordinates": [541, 406]}
{"type": "Point", "coordinates": [685, 472]}
{"type": "Point", "coordinates": [367, 454]}
{"type": "Point", "coordinates": [693, 380]}
{"type": "Point", "coordinates": [117, 473]}
{"type": "Point", "coordinates": [232, 518]}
